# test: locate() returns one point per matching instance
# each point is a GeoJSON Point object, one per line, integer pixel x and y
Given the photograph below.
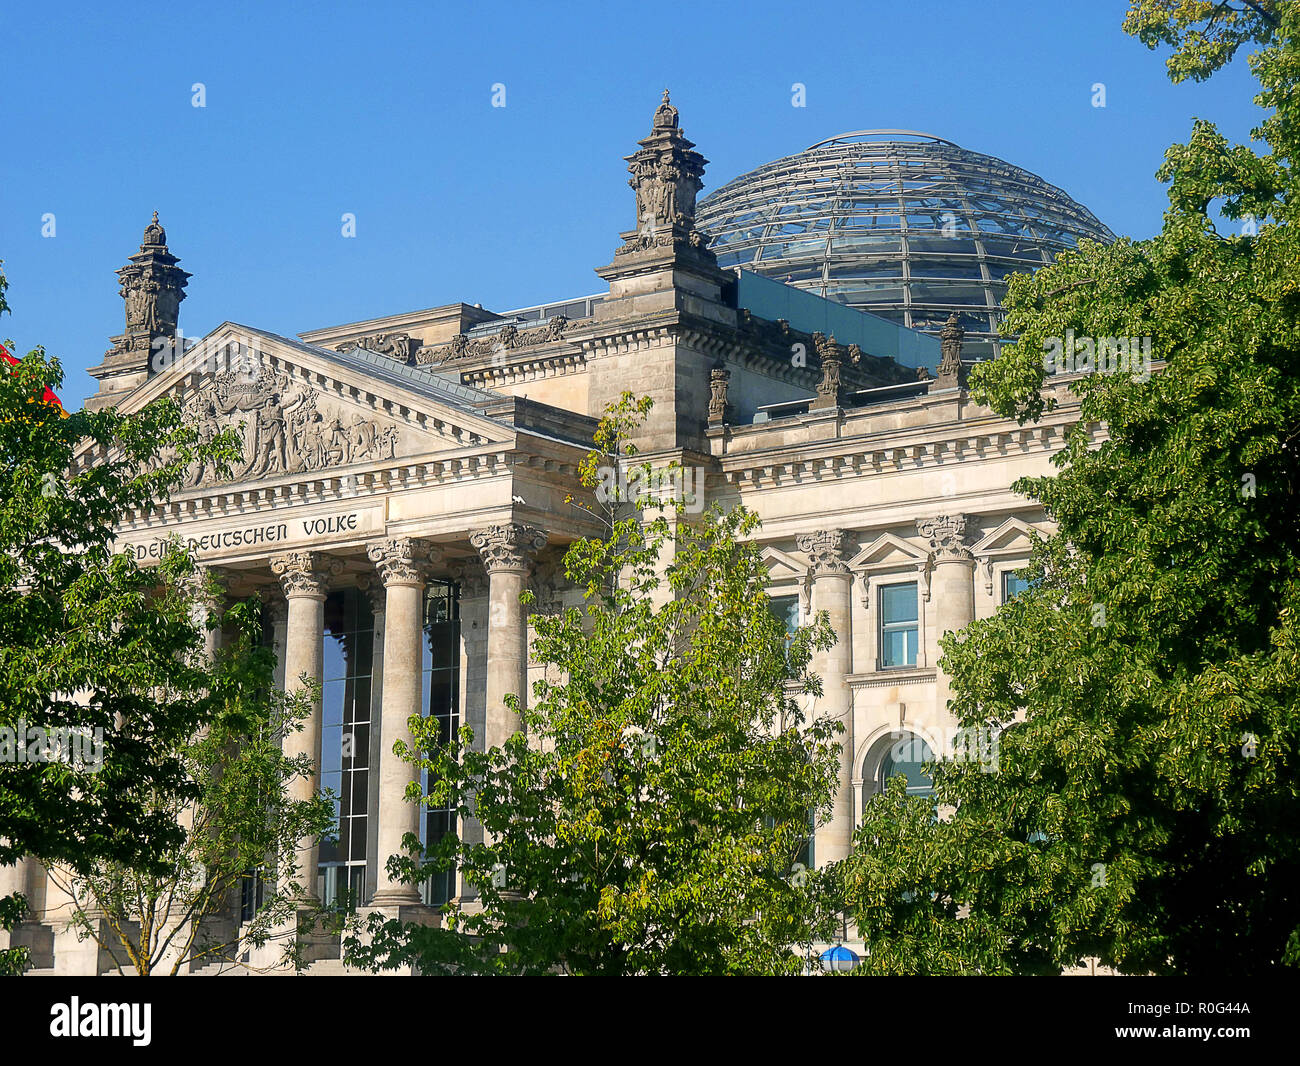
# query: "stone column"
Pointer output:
{"type": "Point", "coordinates": [400, 562]}
{"type": "Point", "coordinates": [304, 577]}
{"type": "Point", "coordinates": [508, 552]}
{"type": "Point", "coordinates": [952, 591]}
{"type": "Point", "coordinates": [832, 587]}
{"type": "Point", "coordinates": [277, 613]}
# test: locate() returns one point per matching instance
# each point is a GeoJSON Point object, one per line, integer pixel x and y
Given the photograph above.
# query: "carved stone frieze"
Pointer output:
{"type": "Point", "coordinates": [399, 346]}
{"type": "Point", "coordinates": [825, 548]}
{"type": "Point", "coordinates": [305, 573]}
{"type": "Point", "coordinates": [509, 338]}
{"type": "Point", "coordinates": [509, 547]}
{"type": "Point", "coordinates": [947, 536]}
{"type": "Point", "coordinates": [285, 431]}
{"type": "Point", "coordinates": [402, 560]}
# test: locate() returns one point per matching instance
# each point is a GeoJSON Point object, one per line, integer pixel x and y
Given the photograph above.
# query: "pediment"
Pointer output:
{"type": "Point", "coordinates": [782, 567]}
{"type": "Point", "coordinates": [888, 550]}
{"type": "Point", "coordinates": [304, 409]}
{"type": "Point", "coordinates": [1013, 536]}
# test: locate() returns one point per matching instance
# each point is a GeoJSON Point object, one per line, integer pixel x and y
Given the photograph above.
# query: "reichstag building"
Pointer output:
{"type": "Point", "coordinates": [804, 333]}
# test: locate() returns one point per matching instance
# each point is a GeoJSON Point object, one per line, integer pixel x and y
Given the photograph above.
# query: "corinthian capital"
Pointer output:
{"type": "Point", "coordinates": [508, 547]}
{"type": "Point", "coordinates": [826, 550]}
{"type": "Point", "coordinates": [401, 560]}
{"type": "Point", "coordinates": [305, 573]}
{"type": "Point", "coordinates": [947, 536]}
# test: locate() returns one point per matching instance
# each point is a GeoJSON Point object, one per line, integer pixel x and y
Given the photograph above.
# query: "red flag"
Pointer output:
{"type": "Point", "coordinates": [49, 394]}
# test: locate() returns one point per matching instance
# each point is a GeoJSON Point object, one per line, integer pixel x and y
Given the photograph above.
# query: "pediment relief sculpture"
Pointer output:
{"type": "Point", "coordinates": [286, 430]}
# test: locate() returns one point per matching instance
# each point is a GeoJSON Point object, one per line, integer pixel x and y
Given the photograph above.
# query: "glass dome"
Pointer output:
{"type": "Point", "coordinates": [905, 225]}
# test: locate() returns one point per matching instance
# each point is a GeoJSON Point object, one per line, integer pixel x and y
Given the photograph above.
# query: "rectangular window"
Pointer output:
{"type": "Point", "coordinates": [786, 609]}
{"type": "Point", "coordinates": [1012, 585]}
{"type": "Point", "coordinates": [899, 625]}
{"type": "Point", "coordinates": [345, 746]}
{"type": "Point", "coordinates": [441, 701]}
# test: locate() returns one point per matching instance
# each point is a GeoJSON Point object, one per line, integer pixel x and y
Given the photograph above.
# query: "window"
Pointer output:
{"type": "Point", "coordinates": [1012, 585]}
{"type": "Point", "coordinates": [442, 703]}
{"type": "Point", "coordinates": [786, 609]}
{"type": "Point", "coordinates": [345, 746]}
{"type": "Point", "coordinates": [907, 757]}
{"type": "Point", "coordinates": [898, 625]}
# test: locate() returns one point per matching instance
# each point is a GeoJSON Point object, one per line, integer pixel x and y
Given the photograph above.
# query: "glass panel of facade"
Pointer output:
{"type": "Point", "coordinates": [899, 625]}
{"type": "Point", "coordinates": [345, 746]}
{"type": "Point", "coordinates": [441, 688]}
{"type": "Point", "coordinates": [1012, 585]}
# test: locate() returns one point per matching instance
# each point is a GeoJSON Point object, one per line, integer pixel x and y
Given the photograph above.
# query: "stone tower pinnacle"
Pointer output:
{"type": "Point", "coordinates": [152, 286]}
{"type": "Point", "coordinates": [666, 174]}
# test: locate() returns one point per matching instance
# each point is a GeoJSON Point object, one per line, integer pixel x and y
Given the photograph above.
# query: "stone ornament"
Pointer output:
{"type": "Point", "coordinates": [399, 346]}
{"type": "Point", "coordinates": [508, 547]}
{"type": "Point", "coordinates": [952, 374]}
{"type": "Point", "coordinates": [284, 432]}
{"type": "Point", "coordinates": [719, 380]}
{"type": "Point", "coordinates": [402, 560]}
{"type": "Point", "coordinates": [152, 286]}
{"type": "Point", "coordinates": [831, 355]}
{"type": "Point", "coordinates": [305, 573]}
{"type": "Point", "coordinates": [826, 550]}
{"type": "Point", "coordinates": [947, 536]}
{"type": "Point", "coordinates": [509, 338]}
{"type": "Point", "coordinates": [666, 175]}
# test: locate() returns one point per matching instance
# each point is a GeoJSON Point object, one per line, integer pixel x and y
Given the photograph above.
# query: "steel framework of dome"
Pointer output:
{"type": "Point", "coordinates": [905, 225]}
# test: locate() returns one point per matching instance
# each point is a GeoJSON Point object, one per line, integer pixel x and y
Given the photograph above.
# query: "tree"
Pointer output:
{"type": "Point", "coordinates": [653, 818]}
{"type": "Point", "coordinates": [241, 832]}
{"type": "Point", "coordinates": [1145, 809]}
{"type": "Point", "coordinates": [98, 656]}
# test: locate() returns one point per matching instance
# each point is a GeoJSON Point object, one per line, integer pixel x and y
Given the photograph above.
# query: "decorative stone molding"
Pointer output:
{"type": "Point", "coordinates": [509, 547]}
{"type": "Point", "coordinates": [826, 550]}
{"type": "Point", "coordinates": [305, 573]}
{"type": "Point", "coordinates": [402, 560]}
{"type": "Point", "coordinates": [947, 536]}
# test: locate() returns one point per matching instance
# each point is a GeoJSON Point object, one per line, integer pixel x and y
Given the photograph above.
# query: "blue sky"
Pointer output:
{"type": "Point", "coordinates": [385, 110]}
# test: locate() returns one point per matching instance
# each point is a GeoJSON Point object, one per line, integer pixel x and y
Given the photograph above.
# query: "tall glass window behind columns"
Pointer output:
{"type": "Point", "coordinates": [441, 702]}
{"type": "Point", "coordinates": [345, 746]}
{"type": "Point", "coordinates": [786, 610]}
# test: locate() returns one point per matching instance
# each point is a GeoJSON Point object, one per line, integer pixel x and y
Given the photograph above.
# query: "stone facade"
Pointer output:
{"type": "Point", "coordinates": [399, 459]}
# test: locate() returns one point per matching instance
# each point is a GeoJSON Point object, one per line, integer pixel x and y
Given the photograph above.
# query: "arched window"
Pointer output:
{"type": "Point", "coordinates": [897, 754]}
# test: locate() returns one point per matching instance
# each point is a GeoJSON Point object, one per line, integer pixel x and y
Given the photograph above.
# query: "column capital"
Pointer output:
{"type": "Point", "coordinates": [305, 573]}
{"type": "Point", "coordinates": [471, 578]}
{"type": "Point", "coordinates": [825, 548]}
{"type": "Point", "coordinates": [947, 537]}
{"type": "Point", "coordinates": [402, 560]}
{"type": "Point", "coordinates": [513, 546]}
{"type": "Point", "coordinates": [373, 589]}
{"type": "Point", "coordinates": [274, 608]}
